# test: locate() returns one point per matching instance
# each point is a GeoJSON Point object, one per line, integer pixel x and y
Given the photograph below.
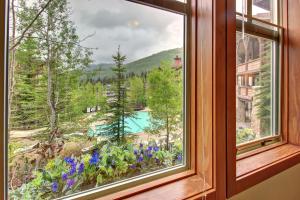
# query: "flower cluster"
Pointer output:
{"type": "Point", "coordinates": [145, 152]}
{"type": "Point", "coordinates": [95, 158]}
{"type": "Point", "coordinates": [70, 183]}
{"type": "Point", "coordinates": [113, 163]}
{"type": "Point", "coordinates": [54, 186]}
{"type": "Point", "coordinates": [64, 176]}
{"type": "Point", "coordinates": [81, 168]}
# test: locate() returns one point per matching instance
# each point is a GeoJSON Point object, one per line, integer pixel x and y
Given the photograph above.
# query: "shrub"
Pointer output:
{"type": "Point", "coordinates": [244, 135]}
{"type": "Point", "coordinates": [63, 176]}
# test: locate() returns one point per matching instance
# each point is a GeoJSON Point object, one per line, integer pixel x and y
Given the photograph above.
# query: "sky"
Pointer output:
{"type": "Point", "coordinates": [139, 30]}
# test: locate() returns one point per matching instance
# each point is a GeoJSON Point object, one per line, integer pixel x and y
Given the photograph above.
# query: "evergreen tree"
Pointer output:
{"type": "Point", "coordinates": [62, 56]}
{"type": "Point", "coordinates": [119, 107]}
{"type": "Point", "coordinates": [263, 95]}
{"type": "Point", "coordinates": [28, 110]}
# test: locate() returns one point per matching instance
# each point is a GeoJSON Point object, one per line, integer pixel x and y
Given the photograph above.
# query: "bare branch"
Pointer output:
{"type": "Point", "coordinates": [88, 36]}
{"type": "Point", "coordinates": [29, 26]}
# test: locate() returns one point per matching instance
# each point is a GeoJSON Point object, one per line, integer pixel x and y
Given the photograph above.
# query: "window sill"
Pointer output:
{"type": "Point", "coordinates": [191, 187]}
{"type": "Point", "coordinates": [257, 168]}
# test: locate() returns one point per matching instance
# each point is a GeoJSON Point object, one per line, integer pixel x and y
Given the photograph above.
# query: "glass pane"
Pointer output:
{"type": "Point", "coordinates": [265, 10]}
{"type": "Point", "coordinates": [96, 95]}
{"type": "Point", "coordinates": [241, 6]}
{"type": "Point", "coordinates": [255, 91]}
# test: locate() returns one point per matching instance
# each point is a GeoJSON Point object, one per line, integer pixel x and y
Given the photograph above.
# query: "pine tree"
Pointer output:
{"type": "Point", "coordinates": [28, 110]}
{"type": "Point", "coordinates": [46, 87]}
{"type": "Point", "coordinates": [263, 95]}
{"type": "Point", "coordinates": [119, 108]}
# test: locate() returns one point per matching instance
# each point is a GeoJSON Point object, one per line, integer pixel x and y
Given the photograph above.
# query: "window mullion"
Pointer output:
{"type": "Point", "coordinates": [257, 30]}
{"type": "Point", "coordinates": [249, 10]}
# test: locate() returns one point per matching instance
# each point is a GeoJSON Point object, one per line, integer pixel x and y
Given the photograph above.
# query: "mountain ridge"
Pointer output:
{"type": "Point", "coordinates": [103, 70]}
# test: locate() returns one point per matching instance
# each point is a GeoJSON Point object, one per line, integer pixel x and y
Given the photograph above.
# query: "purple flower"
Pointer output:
{"type": "Point", "coordinates": [64, 176]}
{"type": "Point", "coordinates": [54, 186]}
{"type": "Point", "coordinates": [179, 157]}
{"type": "Point", "coordinates": [95, 158]}
{"type": "Point", "coordinates": [73, 169]}
{"type": "Point", "coordinates": [81, 168]}
{"type": "Point", "coordinates": [156, 149]}
{"type": "Point", "coordinates": [69, 160]}
{"type": "Point", "coordinates": [141, 145]}
{"type": "Point", "coordinates": [135, 152]}
{"type": "Point", "coordinates": [149, 155]}
{"type": "Point", "coordinates": [150, 148]}
{"type": "Point", "coordinates": [70, 182]}
{"type": "Point", "coordinates": [133, 166]}
{"type": "Point", "coordinates": [140, 159]}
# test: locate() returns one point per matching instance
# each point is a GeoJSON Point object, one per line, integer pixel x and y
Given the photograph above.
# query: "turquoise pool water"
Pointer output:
{"type": "Point", "coordinates": [135, 124]}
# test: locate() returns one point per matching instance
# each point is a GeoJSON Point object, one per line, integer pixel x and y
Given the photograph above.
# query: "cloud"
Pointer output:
{"type": "Point", "coordinates": [140, 30]}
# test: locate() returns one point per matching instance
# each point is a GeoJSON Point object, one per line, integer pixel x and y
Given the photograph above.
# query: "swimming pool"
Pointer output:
{"type": "Point", "coordinates": [135, 124]}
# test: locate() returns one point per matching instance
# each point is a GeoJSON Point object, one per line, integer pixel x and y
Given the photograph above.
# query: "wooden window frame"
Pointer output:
{"type": "Point", "coordinates": [208, 56]}
{"type": "Point", "coordinates": [257, 28]}
{"type": "Point", "coordinates": [253, 167]}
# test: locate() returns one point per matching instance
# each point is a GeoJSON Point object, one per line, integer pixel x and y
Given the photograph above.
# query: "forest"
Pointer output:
{"type": "Point", "coordinates": [71, 125]}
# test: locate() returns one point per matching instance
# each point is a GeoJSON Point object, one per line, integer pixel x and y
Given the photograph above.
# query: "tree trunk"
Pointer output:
{"type": "Point", "coordinates": [50, 92]}
{"type": "Point", "coordinates": [11, 70]}
{"type": "Point", "coordinates": [168, 133]}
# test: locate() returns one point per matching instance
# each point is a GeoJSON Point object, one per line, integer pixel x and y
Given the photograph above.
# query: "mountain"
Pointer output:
{"type": "Point", "coordinates": [103, 71]}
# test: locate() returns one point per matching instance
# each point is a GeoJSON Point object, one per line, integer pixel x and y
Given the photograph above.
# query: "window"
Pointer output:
{"type": "Point", "coordinates": [253, 48]}
{"type": "Point", "coordinates": [258, 65]}
{"type": "Point", "coordinates": [241, 52]}
{"type": "Point", "coordinates": [98, 95]}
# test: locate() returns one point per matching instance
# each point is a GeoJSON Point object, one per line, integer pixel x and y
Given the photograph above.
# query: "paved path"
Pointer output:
{"type": "Point", "coordinates": [25, 133]}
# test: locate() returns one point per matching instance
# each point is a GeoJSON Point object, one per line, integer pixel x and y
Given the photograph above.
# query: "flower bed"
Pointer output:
{"type": "Point", "coordinates": [106, 164]}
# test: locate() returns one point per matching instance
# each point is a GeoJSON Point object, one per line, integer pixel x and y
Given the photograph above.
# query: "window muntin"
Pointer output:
{"type": "Point", "coordinates": [257, 90]}
{"type": "Point", "coordinates": [266, 10]}
{"type": "Point", "coordinates": [67, 179]}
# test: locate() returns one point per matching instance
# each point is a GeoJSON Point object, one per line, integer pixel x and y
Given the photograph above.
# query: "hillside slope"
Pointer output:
{"type": "Point", "coordinates": [102, 71]}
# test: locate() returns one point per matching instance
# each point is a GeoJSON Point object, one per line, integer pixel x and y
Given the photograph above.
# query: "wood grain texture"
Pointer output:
{"type": "Point", "coordinates": [219, 95]}
{"type": "Point", "coordinates": [284, 48]}
{"type": "Point", "coordinates": [294, 71]}
{"type": "Point", "coordinates": [256, 166]}
{"type": "Point", "coordinates": [275, 161]}
{"type": "Point", "coordinates": [183, 189]}
{"type": "Point", "coordinates": [205, 89]}
{"type": "Point", "coordinates": [2, 96]}
{"type": "Point", "coordinates": [231, 97]}
{"type": "Point", "coordinates": [267, 158]}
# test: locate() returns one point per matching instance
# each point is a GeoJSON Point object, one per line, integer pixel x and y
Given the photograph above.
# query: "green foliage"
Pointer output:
{"type": "Point", "coordinates": [138, 67]}
{"type": "Point", "coordinates": [119, 107]}
{"type": "Point", "coordinates": [55, 57]}
{"type": "Point", "coordinates": [28, 110]}
{"type": "Point", "coordinates": [264, 93]}
{"type": "Point", "coordinates": [107, 164]}
{"type": "Point", "coordinates": [244, 135]}
{"type": "Point", "coordinates": [136, 93]}
{"type": "Point", "coordinates": [164, 98]}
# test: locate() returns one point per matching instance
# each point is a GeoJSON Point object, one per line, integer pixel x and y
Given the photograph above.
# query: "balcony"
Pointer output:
{"type": "Point", "coordinates": [251, 67]}
{"type": "Point", "coordinates": [245, 92]}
